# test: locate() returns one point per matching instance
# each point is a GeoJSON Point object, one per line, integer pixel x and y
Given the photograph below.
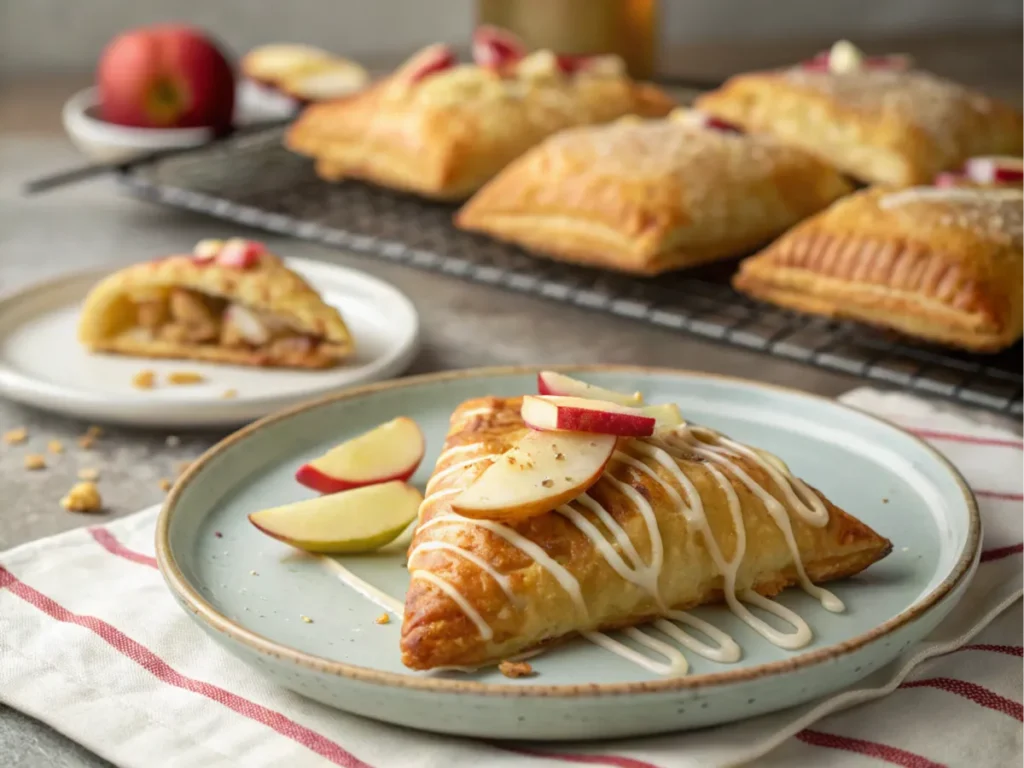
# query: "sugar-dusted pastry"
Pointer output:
{"type": "Point", "coordinates": [873, 118]}
{"type": "Point", "coordinates": [303, 72]}
{"type": "Point", "coordinates": [674, 521]}
{"type": "Point", "coordinates": [942, 264]}
{"type": "Point", "coordinates": [650, 196]}
{"type": "Point", "coordinates": [441, 129]}
{"type": "Point", "coordinates": [227, 302]}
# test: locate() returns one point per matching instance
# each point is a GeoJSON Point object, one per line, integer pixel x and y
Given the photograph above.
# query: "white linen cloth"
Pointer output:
{"type": "Point", "coordinates": [92, 643]}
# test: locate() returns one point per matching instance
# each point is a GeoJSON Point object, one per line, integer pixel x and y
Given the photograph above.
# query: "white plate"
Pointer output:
{"type": "Point", "coordinates": [42, 363]}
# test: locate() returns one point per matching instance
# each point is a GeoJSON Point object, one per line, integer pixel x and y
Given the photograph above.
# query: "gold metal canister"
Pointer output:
{"type": "Point", "coordinates": [624, 27]}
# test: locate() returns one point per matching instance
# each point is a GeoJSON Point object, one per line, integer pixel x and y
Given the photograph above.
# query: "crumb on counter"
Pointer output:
{"type": "Point", "coordinates": [229, 394]}
{"type": "Point", "coordinates": [885, 501]}
{"type": "Point", "coordinates": [16, 436]}
{"type": "Point", "coordinates": [382, 619]}
{"type": "Point", "coordinates": [306, 619]}
{"type": "Point", "coordinates": [145, 379]}
{"type": "Point", "coordinates": [88, 473]}
{"type": "Point", "coordinates": [165, 484]}
{"type": "Point", "coordinates": [515, 669]}
{"type": "Point", "coordinates": [55, 446]}
{"type": "Point", "coordinates": [184, 378]}
{"type": "Point", "coordinates": [83, 497]}
{"type": "Point", "coordinates": [35, 461]}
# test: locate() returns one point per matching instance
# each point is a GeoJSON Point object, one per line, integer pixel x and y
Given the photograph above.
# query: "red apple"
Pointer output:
{"type": "Point", "coordinates": [167, 76]}
{"type": "Point", "coordinates": [496, 48]}
{"type": "Point", "coordinates": [552, 383]}
{"type": "Point", "coordinates": [391, 451]}
{"type": "Point", "coordinates": [429, 61]}
{"type": "Point", "coordinates": [541, 472]}
{"type": "Point", "coordinates": [577, 414]}
{"type": "Point", "coordinates": [994, 170]}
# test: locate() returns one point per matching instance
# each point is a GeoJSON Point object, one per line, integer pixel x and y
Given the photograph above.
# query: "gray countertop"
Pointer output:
{"type": "Point", "coordinates": [463, 325]}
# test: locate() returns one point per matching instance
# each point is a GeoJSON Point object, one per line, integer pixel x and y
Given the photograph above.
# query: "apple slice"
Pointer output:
{"type": "Point", "coordinates": [391, 451]}
{"type": "Point", "coordinates": [994, 170]}
{"type": "Point", "coordinates": [542, 471]}
{"type": "Point", "coordinates": [240, 254]}
{"type": "Point", "coordinates": [429, 61]}
{"type": "Point", "coordinates": [551, 383]}
{"type": "Point", "coordinates": [496, 48]}
{"type": "Point", "coordinates": [359, 520]}
{"type": "Point", "coordinates": [580, 414]}
{"type": "Point", "coordinates": [697, 119]}
{"type": "Point", "coordinates": [207, 250]}
{"type": "Point", "coordinates": [666, 415]}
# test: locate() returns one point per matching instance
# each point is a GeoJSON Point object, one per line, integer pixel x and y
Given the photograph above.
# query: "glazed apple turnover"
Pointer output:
{"type": "Point", "coordinates": [663, 523]}
{"type": "Point", "coordinates": [648, 196]}
{"type": "Point", "coordinates": [874, 118]}
{"type": "Point", "coordinates": [227, 302]}
{"type": "Point", "coordinates": [440, 129]}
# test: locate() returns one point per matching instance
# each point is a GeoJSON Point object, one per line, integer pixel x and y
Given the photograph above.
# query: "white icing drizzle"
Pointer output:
{"type": "Point", "coordinates": [482, 626]}
{"type": "Point", "coordinates": [676, 665]}
{"type": "Point", "coordinates": [363, 587]}
{"type": "Point", "coordinates": [448, 470]}
{"type": "Point", "coordinates": [478, 561]}
{"type": "Point", "coordinates": [456, 449]}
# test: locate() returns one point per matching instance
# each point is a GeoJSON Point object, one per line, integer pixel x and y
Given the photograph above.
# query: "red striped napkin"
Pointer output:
{"type": "Point", "coordinates": [92, 643]}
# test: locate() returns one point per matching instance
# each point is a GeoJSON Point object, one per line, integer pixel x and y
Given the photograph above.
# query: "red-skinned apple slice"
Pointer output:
{"type": "Point", "coordinates": [431, 60]}
{"type": "Point", "coordinates": [552, 383]}
{"type": "Point", "coordinates": [666, 415]}
{"type": "Point", "coordinates": [240, 254]}
{"type": "Point", "coordinates": [391, 451]}
{"type": "Point", "coordinates": [359, 520]}
{"type": "Point", "coordinates": [541, 472]}
{"type": "Point", "coordinates": [496, 48]}
{"type": "Point", "coordinates": [993, 170]}
{"type": "Point", "coordinates": [579, 414]}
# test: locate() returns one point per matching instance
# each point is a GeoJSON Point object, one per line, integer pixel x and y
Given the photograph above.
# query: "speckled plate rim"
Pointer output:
{"type": "Point", "coordinates": [216, 621]}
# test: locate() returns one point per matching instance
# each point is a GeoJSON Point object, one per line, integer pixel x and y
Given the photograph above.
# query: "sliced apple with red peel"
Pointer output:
{"type": "Point", "coordinates": [431, 60]}
{"type": "Point", "coordinates": [541, 472]}
{"type": "Point", "coordinates": [993, 170]}
{"type": "Point", "coordinates": [391, 451]}
{"type": "Point", "coordinates": [496, 48]}
{"type": "Point", "coordinates": [666, 415]}
{"type": "Point", "coordinates": [359, 520]}
{"type": "Point", "coordinates": [580, 414]}
{"type": "Point", "coordinates": [551, 383]}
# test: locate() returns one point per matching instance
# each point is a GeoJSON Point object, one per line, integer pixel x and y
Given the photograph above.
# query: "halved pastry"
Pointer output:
{"type": "Point", "coordinates": [939, 263]}
{"type": "Point", "coordinates": [441, 129]}
{"type": "Point", "coordinates": [675, 521]}
{"type": "Point", "coordinates": [227, 302]}
{"type": "Point", "coordinates": [873, 118]}
{"type": "Point", "coordinates": [650, 196]}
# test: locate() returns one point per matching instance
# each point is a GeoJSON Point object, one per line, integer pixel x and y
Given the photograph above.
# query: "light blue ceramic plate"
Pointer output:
{"type": "Point", "coordinates": [250, 592]}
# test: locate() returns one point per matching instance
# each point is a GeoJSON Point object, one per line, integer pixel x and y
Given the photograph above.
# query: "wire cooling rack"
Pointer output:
{"type": "Point", "coordinates": [254, 181]}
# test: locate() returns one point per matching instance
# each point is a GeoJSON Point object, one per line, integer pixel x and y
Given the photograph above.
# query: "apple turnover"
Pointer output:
{"type": "Point", "coordinates": [669, 522]}
{"type": "Point", "coordinates": [873, 118]}
{"type": "Point", "coordinates": [227, 302]}
{"type": "Point", "coordinates": [440, 129]}
{"type": "Point", "coordinates": [648, 196]}
{"type": "Point", "coordinates": [942, 264]}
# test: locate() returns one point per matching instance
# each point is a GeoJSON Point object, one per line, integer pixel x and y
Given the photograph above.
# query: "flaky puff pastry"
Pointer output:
{"type": "Point", "coordinates": [650, 196]}
{"type": "Point", "coordinates": [940, 264]}
{"type": "Point", "coordinates": [445, 135]}
{"type": "Point", "coordinates": [884, 126]}
{"type": "Point", "coordinates": [529, 606]}
{"type": "Point", "coordinates": [109, 321]}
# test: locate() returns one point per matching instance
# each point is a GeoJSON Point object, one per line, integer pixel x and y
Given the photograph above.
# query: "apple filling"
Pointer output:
{"type": "Point", "coordinates": [183, 316]}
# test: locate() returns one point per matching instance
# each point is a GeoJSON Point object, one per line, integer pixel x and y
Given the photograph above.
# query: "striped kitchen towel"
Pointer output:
{"type": "Point", "coordinates": [92, 643]}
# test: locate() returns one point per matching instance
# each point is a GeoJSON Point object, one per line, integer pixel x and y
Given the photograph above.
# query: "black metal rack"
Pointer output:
{"type": "Point", "coordinates": [252, 180]}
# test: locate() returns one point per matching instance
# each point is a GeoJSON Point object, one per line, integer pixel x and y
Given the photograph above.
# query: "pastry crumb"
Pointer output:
{"type": "Point", "coordinates": [88, 473]}
{"type": "Point", "coordinates": [85, 442]}
{"type": "Point", "coordinates": [94, 431]}
{"type": "Point", "coordinates": [35, 461]}
{"type": "Point", "coordinates": [145, 379]}
{"type": "Point", "coordinates": [306, 619]}
{"type": "Point", "coordinates": [16, 436]}
{"type": "Point", "coordinates": [229, 394]}
{"type": "Point", "coordinates": [165, 484]}
{"type": "Point", "coordinates": [55, 446]}
{"type": "Point", "coordinates": [559, 456]}
{"type": "Point", "coordinates": [253, 573]}
{"type": "Point", "coordinates": [885, 501]}
{"type": "Point", "coordinates": [382, 619]}
{"type": "Point", "coordinates": [184, 378]}
{"type": "Point", "coordinates": [172, 441]}
{"type": "Point", "coordinates": [83, 497]}
{"type": "Point", "coordinates": [515, 669]}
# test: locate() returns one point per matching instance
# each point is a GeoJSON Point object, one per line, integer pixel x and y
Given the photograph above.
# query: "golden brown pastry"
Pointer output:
{"type": "Point", "coordinates": [873, 119]}
{"type": "Point", "coordinates": [632, 549]}
{"type": "Point", "coordinates": [303, 72]}
{"type": "Point", "coordinates": [440, 129]}
{"type": "Point", "coordinates": [650, 196]}
{"type": "Point", "coordinates": [941, 264]}
{"type": "Point", "coordinates": [227, 302]}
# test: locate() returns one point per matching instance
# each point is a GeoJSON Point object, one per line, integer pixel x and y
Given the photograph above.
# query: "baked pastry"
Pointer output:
{"type": "Point", "coordinates": [227, 302]}
{"type": "Point", "coordinates": [303, 72]}
{"type": "Point", "coordinates": [941, 264]}
{"type": "Point", "coordinates": [874, 119]}
{"type": "Point", "coordinates": [650, 196]}
{"type": "Point", "coordinates": [440, 129]}
{"type": "Point", "coordinates": [678, 520]}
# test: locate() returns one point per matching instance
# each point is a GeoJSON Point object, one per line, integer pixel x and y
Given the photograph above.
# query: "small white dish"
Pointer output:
{"type": "Point", "coordinates": [42, 364]}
